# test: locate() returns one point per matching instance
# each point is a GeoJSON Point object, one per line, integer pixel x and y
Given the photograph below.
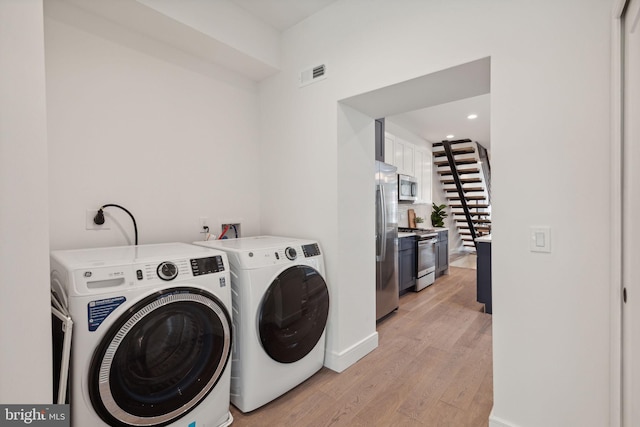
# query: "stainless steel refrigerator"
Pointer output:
{"type": "Point", "coordinates": [387, 296]}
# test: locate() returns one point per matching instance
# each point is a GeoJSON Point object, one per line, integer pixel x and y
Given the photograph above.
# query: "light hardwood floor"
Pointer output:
{"type": "Point", "coordinates": [433, 367]}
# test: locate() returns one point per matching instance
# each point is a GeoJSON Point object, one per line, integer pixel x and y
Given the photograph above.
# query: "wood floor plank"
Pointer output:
{"type": "Point", "coordinates": [466, 382]}
{"type": "Point", "coordinates": [433, 367]}
{"type": "Point", "coordinates": [385, 406]}
{"type": "Point", "coordinates": [477, 414]}
{"type": "Point", "coordinates": [389, 371]}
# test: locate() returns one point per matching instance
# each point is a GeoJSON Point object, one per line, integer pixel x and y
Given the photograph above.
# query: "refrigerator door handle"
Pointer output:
{"type": "Point", "coordinates": [383, 228]}
{"type": "Point", "coordinates": [379, 202]}
{"type": "Point", "coordinates": [378, 221]}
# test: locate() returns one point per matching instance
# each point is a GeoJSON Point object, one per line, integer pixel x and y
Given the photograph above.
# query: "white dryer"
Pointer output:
{"type": "Point", "coordinates": [152, 334]}
{"type": "Point", "coordinates": [281, 305]}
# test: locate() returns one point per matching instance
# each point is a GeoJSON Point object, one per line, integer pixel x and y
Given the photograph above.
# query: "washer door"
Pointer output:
{"type": "Point", "coordinates": [293, 314]}
{"type": "Point", "coordinates": [161, 358]}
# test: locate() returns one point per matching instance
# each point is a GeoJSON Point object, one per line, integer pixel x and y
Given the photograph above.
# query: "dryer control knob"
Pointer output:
{"type": "Point", "coordinates": [291, 253]}
{"type": "Point", "coordinates": [167, 270]}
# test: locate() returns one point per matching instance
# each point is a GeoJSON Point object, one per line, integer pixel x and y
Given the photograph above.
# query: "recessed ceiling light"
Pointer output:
{"type": "Point", "coordinates": [472, 116]}
{"type": "Point", "coordinates": [450, 136]}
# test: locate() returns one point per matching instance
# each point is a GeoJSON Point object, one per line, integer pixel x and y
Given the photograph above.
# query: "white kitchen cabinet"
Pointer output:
{"type": "Point", "coordinates": [410, 160]}
{"type": "Point", "coordinates": [404, 154]}
{"type": "Point", "coordinates": [423, 170]}
{"type": "Point", "coordinates": [389, 149]}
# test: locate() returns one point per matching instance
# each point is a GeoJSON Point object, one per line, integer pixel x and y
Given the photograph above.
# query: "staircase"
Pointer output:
{"type": "Point", "coordinates": [467, 186]}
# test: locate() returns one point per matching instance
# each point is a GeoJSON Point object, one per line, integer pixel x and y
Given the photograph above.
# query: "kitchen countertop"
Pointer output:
{"type": "Point", "coordinates": [402, 234]}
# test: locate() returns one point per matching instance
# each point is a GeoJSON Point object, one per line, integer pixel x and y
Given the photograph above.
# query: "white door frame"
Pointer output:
{"type": "Point", "coordinates": [615, 203]}
{"type": "Point", "coordinates": [622, 376]}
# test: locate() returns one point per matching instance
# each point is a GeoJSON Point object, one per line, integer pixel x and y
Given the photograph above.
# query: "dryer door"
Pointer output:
{"type": "Point", "coordinates": [293, 314]}
{"type": "Point", "coordinates": [161, 358]}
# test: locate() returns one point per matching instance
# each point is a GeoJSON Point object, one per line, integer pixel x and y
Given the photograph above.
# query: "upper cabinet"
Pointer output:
{"type": "Point", "coordinates": [405, 157]}
{"type": "Point", "coordinates": [423, 173]}
{"type": "Point", "coordinates": [399, 153]}
{"type": "Point", "coordinates": [411, 160]}
{"type": "Point", "coordinates": [389, 147]}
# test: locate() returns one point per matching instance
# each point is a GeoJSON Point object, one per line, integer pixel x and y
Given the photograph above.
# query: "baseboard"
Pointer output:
{"type": "Point", "coordinates": [498, 422]}
{"type": "Point", "coordinates": [340, 361]}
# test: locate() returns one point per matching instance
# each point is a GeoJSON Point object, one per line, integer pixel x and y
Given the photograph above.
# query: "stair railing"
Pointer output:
{"type": "Point", "coordinates": [483, 155]}
{"type": "Point", "coordinates": [456, 180]}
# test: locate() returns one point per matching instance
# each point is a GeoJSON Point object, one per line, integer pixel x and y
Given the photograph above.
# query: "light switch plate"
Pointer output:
{"type": "Point", "coordinates": [540, 239]}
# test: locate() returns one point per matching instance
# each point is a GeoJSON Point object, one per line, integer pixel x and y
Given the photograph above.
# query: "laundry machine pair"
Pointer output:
{"type": "Point", "coordinates": [280, 305]}
{"type": "Point", "coordinates": [152, 334]}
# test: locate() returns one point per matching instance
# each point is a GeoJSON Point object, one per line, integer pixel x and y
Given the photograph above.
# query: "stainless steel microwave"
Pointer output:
{"type": "Point", "coordinates": [407, 188]}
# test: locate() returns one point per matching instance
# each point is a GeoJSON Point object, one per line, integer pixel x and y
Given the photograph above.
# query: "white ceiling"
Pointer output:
{"type": "Point", "coordinates": [282, 14]}
{"type": "Point", "coordinates": [435, 123]}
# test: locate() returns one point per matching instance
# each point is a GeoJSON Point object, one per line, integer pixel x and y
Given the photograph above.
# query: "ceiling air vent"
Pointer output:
{"type": "Point", "coordinates": [313, 74]}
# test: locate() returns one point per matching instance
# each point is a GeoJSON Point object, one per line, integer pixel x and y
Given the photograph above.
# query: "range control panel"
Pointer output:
{"type": "Point", "coordinates": [311, 250]}
{"type": "Point", "coordinates": [200, 266]}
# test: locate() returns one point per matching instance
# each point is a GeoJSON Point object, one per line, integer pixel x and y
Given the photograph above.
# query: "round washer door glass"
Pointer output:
{"type": "Point", "coordinates": [293, 314]}
{"type": "Point", "coordinates": [161, 358]}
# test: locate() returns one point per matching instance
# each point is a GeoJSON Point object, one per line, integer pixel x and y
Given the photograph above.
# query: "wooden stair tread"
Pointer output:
{"type": "Point", "coordinates": [458, 141]}
{"type": "Point", "coordinates": [464, 226]}
{"type": "Point", "coordinates": [455, 151]}
{"type": "Point", "coordinates": [460, 171]}
{"type": "Point", "coordinates": [478, 214]}
{"type": "Point", "coordinates": [476, 206]}
{"type": "Point", "coordinates": [469, 238]}
{"type": "Point", "coordinates": [465, 189]}
{"type": "Point", "coordinates": [458, 162]}
{"type": "Point", "coordinates": [462, 180]}
{"type": "Point", "coordinates": [478, 232]}
{"type": "Point", "coordinates": [456, 197]}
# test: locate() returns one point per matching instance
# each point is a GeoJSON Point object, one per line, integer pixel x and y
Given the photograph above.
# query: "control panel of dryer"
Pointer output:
{"type": "Point", "coordinates": [275, 256]}
{"type": "Point", "coordinates": [311, 250]}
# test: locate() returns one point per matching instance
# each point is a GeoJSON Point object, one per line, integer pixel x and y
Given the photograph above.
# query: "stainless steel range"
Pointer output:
{"type": "Point", "coordinates": [426, 255]}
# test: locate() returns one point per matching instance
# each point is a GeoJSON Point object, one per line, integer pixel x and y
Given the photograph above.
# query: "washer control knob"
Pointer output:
{"type": "Point", "coordinates": [291, 253]}
{"type": "Point", "coordinates": [167, 270]}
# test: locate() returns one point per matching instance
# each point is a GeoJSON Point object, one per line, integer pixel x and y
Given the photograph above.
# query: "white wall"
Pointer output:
{"type": "Point", "coordinates": [25, 319]}
{"type": "Point", "coordinates": [166, 142]}
{"type": "Point", "coordinates": [550, 81]}
{"type": "Point", "coordinates": [550, 100]}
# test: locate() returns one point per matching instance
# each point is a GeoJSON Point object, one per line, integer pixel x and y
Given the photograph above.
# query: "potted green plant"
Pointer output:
{"type": "Point", "coordinates": [419, 221]}
{"type": "Point", "coordinates": [438, 215]}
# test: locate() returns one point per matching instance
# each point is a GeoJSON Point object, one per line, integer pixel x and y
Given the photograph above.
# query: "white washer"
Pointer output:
{"type": "Point", "coordinates": [152, 334]}
{"type": "Point", "coordinates": [281, 304]}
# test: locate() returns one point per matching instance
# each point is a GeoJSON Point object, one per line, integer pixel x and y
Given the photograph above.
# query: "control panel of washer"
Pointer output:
{"type": "Point", "coordinates": [169, 270]}
{"type": "Point", "coordinates": [213, 264]}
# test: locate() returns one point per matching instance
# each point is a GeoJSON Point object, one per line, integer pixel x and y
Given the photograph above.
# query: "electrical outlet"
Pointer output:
{"type": "Point", "coordinates": [204, 226]}
{"type": "Point", "coordinates": [90, 225]}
